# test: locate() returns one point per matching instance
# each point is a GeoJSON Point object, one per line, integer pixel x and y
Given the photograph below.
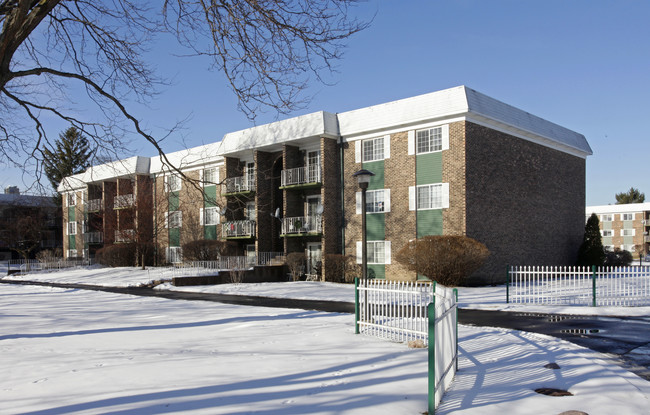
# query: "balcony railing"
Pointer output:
{"type": "Point", "coordinates": [302, 225]}
{"type": "Point", "coordinates": [94, 237]}
{"type": "Point", "coordinates": [123, 201]}
{"type": "Point", "coordinates": [238, 229]}
{"type": "Point", "coordinates": [301, 175]}
{"type": "Point", "coordinates": [93, 205]}
{"type": "Point", "coordinates": [239, 184]}
{"type": "Point", "coordinates": [124, 235]}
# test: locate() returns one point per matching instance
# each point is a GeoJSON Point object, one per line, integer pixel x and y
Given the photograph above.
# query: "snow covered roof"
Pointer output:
{"type": "Point", "coordinates": [463, 103]}
{"type": "Point", "coordinates": [626, 208]}
{"type": "Point", "coordinates": [26, 200]}
{"type": "Point", "coordinates": [270, 137]}
{"type": "Point", "coordinates": [188, 158]}
{"type": "Point", "coordinates": [113, 170]}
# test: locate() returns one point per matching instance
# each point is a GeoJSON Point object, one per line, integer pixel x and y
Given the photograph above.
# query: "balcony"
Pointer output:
{"type": "Point", "coordinates": [94, 237]}
{"type": "Point", "coordinates": [124, 235]}
{"type": "Point", "coordinates": [94, 205]}
{"type": "Point", "coordinates": [242, 184]}
{"type": "Point", "coordinates": [241, 229]}
{"type": "Point", "coordinates": [302, 225]}
{"type": "Point", "coordinates": [301, 176]}
{"type": "Point", "coordinates": [123, 201]}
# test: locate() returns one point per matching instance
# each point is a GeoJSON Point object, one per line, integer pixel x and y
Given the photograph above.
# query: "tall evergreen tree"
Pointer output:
{"type": "Point", "coordinates": [591, 251]}
{"type": "Point", "coordinates": [71, 155]}
{"type": "Point", "coordinates": [631, 196]}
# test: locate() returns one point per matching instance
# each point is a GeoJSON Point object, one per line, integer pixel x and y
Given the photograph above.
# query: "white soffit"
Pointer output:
{"type": "Point", "coordinates": [626, 208]}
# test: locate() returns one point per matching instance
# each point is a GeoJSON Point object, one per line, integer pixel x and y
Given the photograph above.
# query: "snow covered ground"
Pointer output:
{"type": "Point", "coordinates": [77, 351]}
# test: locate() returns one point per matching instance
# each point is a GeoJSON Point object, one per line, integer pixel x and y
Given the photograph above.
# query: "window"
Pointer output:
{"type": "Point", "coordinates": [250, 211]}
{"type": "Point", "coordinates": [629, 248]}
{"type": "Point", "coordinates": [607, 232]}
{"type": "Point", "coordinates": [174, 219]}
{"type": "Point", "coordinates": [627, 232]}
{"type": "Point", "coordinates": [72, 253]}
{"type": "Point", "coordinates": [608, 248]}
{"type": "Point", "coordinates": [429, 196]}
{"type": "Point", "coordinates": [605, 218]}
{"type": "Point", "coordinates": [211, 216]}
{"type": "Point", "coordinates": [378, 252]}
{"type": "Point", "coordinates": [429, 140]}
{"type": "Point", "coordinates": [377, 201]}
{"type": "Point", "coordinates": [72, 228]}
{"type": "Point", "coordinates": [173, 183]}
{"type": "Point", "coordinates": [210, 176]}
{"type": "Point", "coordinates": [174, 254]}
{"type": "Point", "coordinates": [627, 216]}
{"type": "Point", "coordinates": [373, 149]}
{"type": "Point", "coordinates": [72, 199]}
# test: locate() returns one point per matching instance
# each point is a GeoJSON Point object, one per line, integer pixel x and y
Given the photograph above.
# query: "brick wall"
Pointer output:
{"type": "Point", "coordinates": [330, 199]}
{"type": "Point", "coordinates": [453, 172]}
{"type": "Point", "coordinates": [526, 202]}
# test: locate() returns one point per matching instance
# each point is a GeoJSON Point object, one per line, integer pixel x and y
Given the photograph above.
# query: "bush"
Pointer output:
{"type": "Point", "coordinates": [296, 264]}
{"type": "Point", "coordinates": [118, 255]}
{"type": "Point", "coordinates": [342, 268]}
{"type": "Point", "coordinates": [591, 250]}
{"type": "Point", "coordinates": [618, 258]}
{"type": "Point", "coordinates": [205, 250]}
{"type": "Point", "coordinates": [447, 259]}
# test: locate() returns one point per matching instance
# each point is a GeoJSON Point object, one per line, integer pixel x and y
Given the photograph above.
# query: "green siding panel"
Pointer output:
{"type": "Point", "coordinates": [210, 196]}
{"type": "Point", "coordinates": [429, 222]}
{"type": "Point", "coordinates": [72, 214]}
{"type": "Point", "coordinates": [376, 226]}
{"type": "Point", "coordinates": [72, 242]}
{"type": "Point", "coordinates": [174, 202]}
{"type": "Point", "coordinates": [377, 167]}
{"type": "Point", "coordinates": [175, 237]}
{"type": "Point", "coordinates": [377, 271]}
{"type": "Point", "coordinates": [428, 168]}
{"type": "Point", "coordinates": [210, 232]}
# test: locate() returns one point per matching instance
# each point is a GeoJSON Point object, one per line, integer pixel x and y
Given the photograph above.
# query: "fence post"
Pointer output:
{"type": "Point", "coordinates": [356, 305]}
{"type": "Point", "coordinates": [593, 286]}
{"type": "Point", "coordinates": [456, 295]}
{"type": "Point", "coordinates": [431, 314]}
{"type": "Point", "coordinates": [507, 284]}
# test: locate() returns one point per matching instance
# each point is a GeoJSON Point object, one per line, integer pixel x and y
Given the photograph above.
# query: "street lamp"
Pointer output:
{"type": "Point", "coordinates": [363, 179]}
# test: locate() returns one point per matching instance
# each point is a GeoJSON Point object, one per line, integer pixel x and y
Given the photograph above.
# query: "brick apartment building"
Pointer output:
{"type": "Point", "coordinates": [624, 227]}
{"type": "Point", "coordinates": [452, 162]}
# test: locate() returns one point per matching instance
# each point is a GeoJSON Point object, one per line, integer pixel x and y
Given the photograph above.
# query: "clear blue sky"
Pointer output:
{"type": "Point", "coordinates": [583, 64]}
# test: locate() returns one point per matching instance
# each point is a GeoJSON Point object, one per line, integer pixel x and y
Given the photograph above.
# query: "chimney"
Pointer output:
{"type": "Point", "coordinates": [12, 190]}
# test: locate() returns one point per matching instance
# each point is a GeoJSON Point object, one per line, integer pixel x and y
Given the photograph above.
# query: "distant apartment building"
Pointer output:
{"type": "Point", "coordinates": [452, 162]}
{"type": "Point", "coordinates": [624, 227]}
{"type": "Point", "coordinates": [28, 220]}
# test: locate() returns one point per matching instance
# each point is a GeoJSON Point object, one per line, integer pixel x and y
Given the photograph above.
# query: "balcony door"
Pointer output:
{"type": "Point", "coordinates": [313, 166]}
{"type": "Point", "coordinates": [314, 257]}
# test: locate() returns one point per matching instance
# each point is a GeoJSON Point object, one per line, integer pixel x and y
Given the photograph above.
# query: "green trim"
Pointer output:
{"type": "Point", "coordinates": [356, 305]}
{"type": "Point", "coordinates": [174, 201]}
{"type": "Point", "coordinates": [377, 271]}
{"type": "Point", "coordinates": [210, 196]}
{"type": "Point", "coordinates": [428, 168]}
{"type": "Point", "coordinates": [294, 235]}
{"type": "Point", "coordinates": [174, 237]}
{"type": "Point", "coordinates": [239, 237]}
{"type": "Point", "coordinates": [245, 193]}
{"type": "Point", "coordinates": [429, 222]}
{"type": "Point", "coordinates": [210, 232]}
{"type": "Point", "coordinates": [72, 214]}
{"type": "Point", "coordinates": [313, 185]}
{"type": "Point", "coordinates": [431, 314]}
{"type": "Point", "coordinates": [72, 241]}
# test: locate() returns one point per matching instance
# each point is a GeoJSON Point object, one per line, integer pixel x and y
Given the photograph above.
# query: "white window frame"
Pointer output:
{"type": "Point", "coordinates": [629, 248]}
{"type": "Point", "coordinates": [210, 176]}
{"type": "Point", "coordinates": [210, 216]}
{"type": "Point", "coordinates": [606, 217]}
{"type": "Point", "coordinates": [381, 147]}
{"type": "Point", "coordinates": [72, 253]}
{"type": "Point", "coordinates": [627, 216]}
{"type": "Point", "coordinates": [173, 180]}
{"type": "Point", "coordinates": [174, 254]}
{"type": "Point", "coordinates": [628, 232]}
{"type": "Point", "coordinates": [370, 194]}
{"type": "Point", "coordinates": [72, 199]}
{"type": "Point", "coordinates": [608, 248]}
{"type": "Point", "coordinates": [413, 139]}
{"type": "Point", "coordinates": [174, 219]}
{"type": "Point", "coordinates": [416, 196]}
{"type": "Point", "coordinates": [371, 249]}
{"type": "Point", "coordinates": [72, 228]}
{"type": "Point", "coordinates": [606, 233]}
{"type": "Point", "coordinates": [250, 213]}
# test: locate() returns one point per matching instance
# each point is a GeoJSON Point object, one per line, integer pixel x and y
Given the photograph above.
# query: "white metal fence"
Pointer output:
{"type": "Point", "coordinates": [589, 286]}
{"type": "Point", "coordinates": [411, 311]}
{"type": "Point", "coordinates": [35, 265]}
{"type": "Point", "coordinates": [200, 268]}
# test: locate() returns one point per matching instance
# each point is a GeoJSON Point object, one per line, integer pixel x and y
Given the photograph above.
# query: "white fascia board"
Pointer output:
{"type": "Point", "coordinates": [71, 183]}
{"type": "Point", "coordinates": [401, 128]}
{"type": "Point", "coordinates": [188, 159]}
{"type": "Point", "coordinates": [626, 208]}
{"type": "Point", "coordinates": [274, 135]}
{"type": "Point", "coordinates": [402, 114]}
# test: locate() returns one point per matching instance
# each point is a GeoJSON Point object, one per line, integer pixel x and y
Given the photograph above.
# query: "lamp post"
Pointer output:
{"type": "Point", "coordinates": [363, 179]}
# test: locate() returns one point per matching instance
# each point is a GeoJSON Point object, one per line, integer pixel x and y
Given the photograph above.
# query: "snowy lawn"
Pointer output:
{"type": "Point", "coordinates": [75, 351]}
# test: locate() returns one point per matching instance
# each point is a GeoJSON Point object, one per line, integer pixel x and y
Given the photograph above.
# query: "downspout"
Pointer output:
{"type": "Point", "coordinates": [342, 182]}
{"type": "Point", "coordinates": [155, 221]}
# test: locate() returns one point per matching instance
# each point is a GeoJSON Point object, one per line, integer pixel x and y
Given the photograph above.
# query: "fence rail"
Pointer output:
{"type": "Point", "coordinates": [199, 268]}
{"type": "Point", "coordinates": [35, 265]}
{"type": "Point", "coordinates": [589, 286]}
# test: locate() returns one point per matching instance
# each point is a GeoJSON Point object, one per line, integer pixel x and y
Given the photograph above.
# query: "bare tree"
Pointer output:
{"type": "Point", "coordinates": [50, 49]}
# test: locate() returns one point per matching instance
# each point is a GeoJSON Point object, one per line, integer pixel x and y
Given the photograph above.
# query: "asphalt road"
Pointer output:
{"type": "Point", "coordinates": [626, 340]}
